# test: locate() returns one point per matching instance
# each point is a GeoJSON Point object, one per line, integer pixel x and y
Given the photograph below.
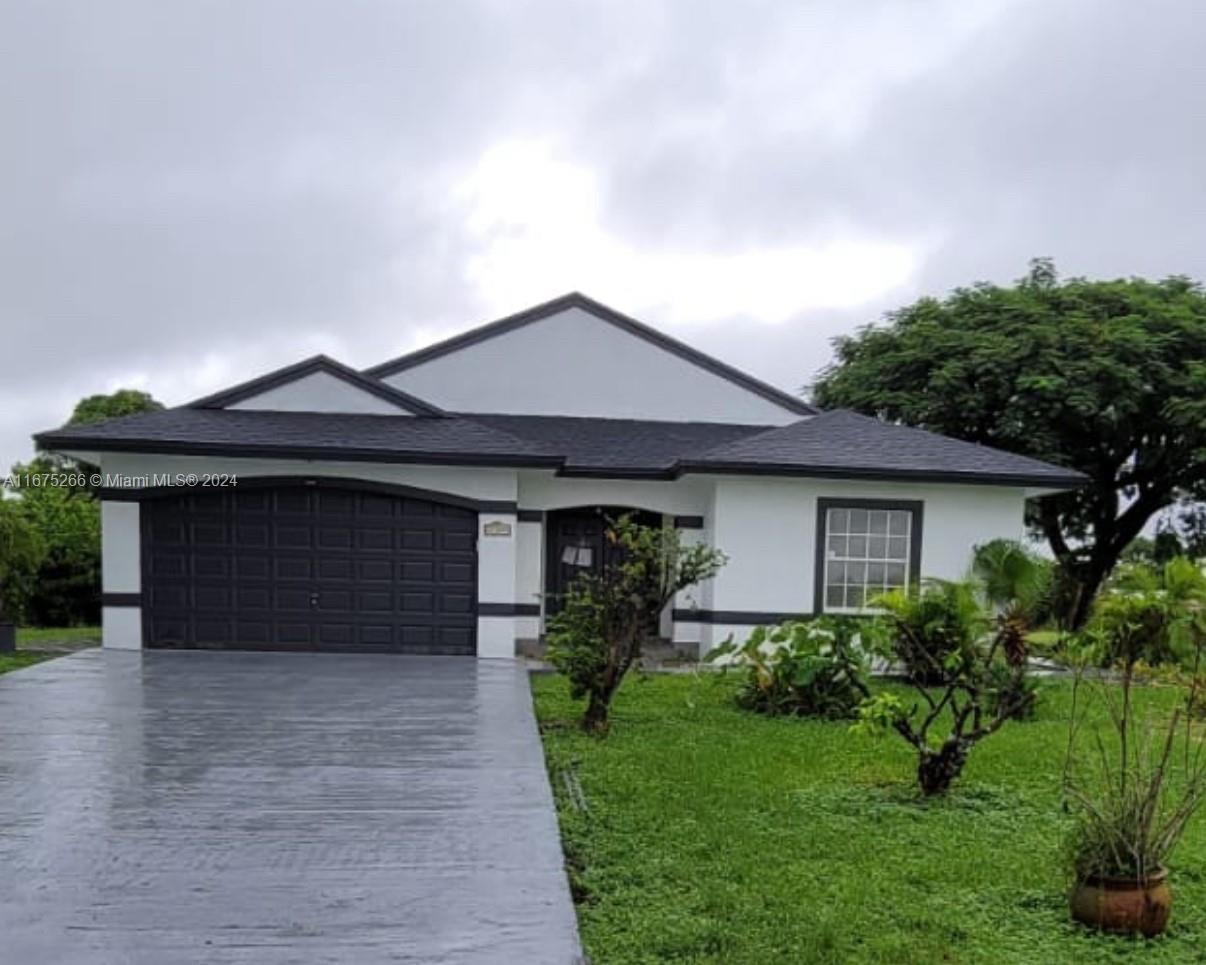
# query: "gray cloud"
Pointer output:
{"type": "Point", "coordinates": [192, 193]}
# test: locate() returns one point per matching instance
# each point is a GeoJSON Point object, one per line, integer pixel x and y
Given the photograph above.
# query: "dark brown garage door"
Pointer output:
{"type": "Point", "coordinates": [307, 567]}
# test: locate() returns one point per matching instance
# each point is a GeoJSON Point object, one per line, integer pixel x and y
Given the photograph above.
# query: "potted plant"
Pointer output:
{"type": "Point", "coordinates": [1136, 788]}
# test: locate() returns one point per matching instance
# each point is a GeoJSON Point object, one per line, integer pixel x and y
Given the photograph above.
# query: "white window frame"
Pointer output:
{"type": "Point", "coordinates": [911, 560]}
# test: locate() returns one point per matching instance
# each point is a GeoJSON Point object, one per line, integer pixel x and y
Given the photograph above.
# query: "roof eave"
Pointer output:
{"type": "Point", "coordinates": [327, 454]}
{"type": "Point", "coordinates": [883, 474]}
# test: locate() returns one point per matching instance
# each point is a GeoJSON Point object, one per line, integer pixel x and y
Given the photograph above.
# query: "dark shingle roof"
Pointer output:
{"type": "Point", "coordinates": [302, 434]}
{"type": "Point", "coordinates": [630, 445]}
{"type": "Point", "coordinates": [846, 444]}
{"type": "Point", "coordinates": [836, 444]}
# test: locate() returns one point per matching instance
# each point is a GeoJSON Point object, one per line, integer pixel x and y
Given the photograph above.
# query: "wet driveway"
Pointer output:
{"type": "Point", "coordinates": [269, 808]}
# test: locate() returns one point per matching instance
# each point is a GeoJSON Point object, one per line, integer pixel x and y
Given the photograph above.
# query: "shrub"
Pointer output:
{"type": "Point", "coordinates": [941, 634]}
{"type": "Point", "coordinates": [606, 617]}
{"type": "Point", "coordinates": [1148, 612]}
{"type": "Point", "coordinates": [806, 669]}
{"type": "Point", "coordinates": [1016, 695]}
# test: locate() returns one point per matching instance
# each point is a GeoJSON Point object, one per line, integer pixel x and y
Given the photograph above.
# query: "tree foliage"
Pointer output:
{"type": "Point", "coordinates": [606, 617]}
{"type": "Point", "coordinates": [98, 408]}
{"type": "Point", "coordinates": [1107, 377]}
{"type": "Point", "coordinates": [64, 588]}
{"type": "Point", "coordinates": [21, 553]}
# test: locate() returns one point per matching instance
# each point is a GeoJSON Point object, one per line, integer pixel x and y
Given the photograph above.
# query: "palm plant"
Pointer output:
{"type": "Point", "coordinates": [1019, 589]}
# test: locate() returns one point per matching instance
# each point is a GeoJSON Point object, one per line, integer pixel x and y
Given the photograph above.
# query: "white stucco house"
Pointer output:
{"type": "Point", "coordinates": [430, 504]}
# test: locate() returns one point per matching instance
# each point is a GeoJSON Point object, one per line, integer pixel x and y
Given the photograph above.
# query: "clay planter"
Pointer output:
{"type": "Point", "coordinates": [1121, 904]}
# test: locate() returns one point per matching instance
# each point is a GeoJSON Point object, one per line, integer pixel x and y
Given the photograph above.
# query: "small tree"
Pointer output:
{"type": "Point", "coordinates": [968, 666]}
{"type": "Point", "coordinates": [606, 617]}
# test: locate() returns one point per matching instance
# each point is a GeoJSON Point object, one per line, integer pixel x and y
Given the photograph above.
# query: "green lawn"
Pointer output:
{"type": "Point", "coordinates": [31, 638]}
{"type": "Point", "coordinates": [713, 835]}
{"type": "Point", "coordinates": [15, 661]}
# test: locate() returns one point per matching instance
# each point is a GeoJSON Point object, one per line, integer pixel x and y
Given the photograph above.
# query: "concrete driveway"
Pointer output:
{"type": "Point", "coordinates": [239, 807]}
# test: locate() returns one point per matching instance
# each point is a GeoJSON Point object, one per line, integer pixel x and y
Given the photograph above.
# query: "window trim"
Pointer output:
{"type": "Point", "coordinates": [821, 538]}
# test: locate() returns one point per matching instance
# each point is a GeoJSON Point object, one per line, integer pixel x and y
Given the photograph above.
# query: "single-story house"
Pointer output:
{"type": "Point", "coordinates": [432, 503]}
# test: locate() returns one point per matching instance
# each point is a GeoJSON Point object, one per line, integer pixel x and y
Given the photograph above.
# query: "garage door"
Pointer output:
{"type": "Point", "coordinates": [307, 567]}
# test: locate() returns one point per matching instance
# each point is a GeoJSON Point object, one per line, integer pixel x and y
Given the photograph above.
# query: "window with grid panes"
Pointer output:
{"type": "Point", "coordinates": [867, 553]}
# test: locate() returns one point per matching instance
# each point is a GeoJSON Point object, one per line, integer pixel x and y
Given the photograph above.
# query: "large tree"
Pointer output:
{"type": "Point", "coordinates": [1108, 377]}
{"type": "Point", "coordinates": [65, 588]}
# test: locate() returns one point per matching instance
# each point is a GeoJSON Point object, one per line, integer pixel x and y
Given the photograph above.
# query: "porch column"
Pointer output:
{"type": "Point", "coordinates": [121, 575]}
{"type": "Point", "coordinates": [692, 632]}
{"type": "Point", "coordinates": [496, 540]}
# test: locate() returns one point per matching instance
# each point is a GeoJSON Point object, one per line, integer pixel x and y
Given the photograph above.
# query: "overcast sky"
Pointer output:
{"type": "Point", "coordinates": [194, 192]}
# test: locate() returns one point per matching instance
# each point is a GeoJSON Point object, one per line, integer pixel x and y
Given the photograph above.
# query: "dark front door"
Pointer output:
{"type": "Point", "coordinates": [306, 567]}
{"type": "Point", "coordinates": [577, 544]}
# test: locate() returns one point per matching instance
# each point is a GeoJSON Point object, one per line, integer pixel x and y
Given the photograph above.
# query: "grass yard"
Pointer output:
{"type": "Point", "coordinates": [15, 661]}
{"type": "Point", "coordinates": [34, 638]}
{"type": "Point", "coordinates": [713, 835]}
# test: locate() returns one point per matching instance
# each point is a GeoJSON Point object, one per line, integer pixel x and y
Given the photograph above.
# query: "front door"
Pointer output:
{"type": "Point", "coordinates": [576, 544]}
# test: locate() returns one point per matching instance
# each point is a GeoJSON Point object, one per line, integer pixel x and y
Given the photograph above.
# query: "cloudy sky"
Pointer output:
{"type": "Point", "coordinates": [194, 192]}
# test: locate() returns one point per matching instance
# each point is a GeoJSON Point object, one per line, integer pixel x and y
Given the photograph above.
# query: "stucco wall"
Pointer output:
{"type": "Point", "coordinates": [575, 364]}
{"type": "Point", "coordinates": [765, 526]}
{"type": "Point", "coordinates": [767, 529]}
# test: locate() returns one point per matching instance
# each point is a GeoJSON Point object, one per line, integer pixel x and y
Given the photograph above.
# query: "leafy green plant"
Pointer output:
{"type": "Point", "coordinates": [1016, 695]}
{"type": "Point", "coordinates": [941, 634]}
{"type": "Point", "coordinates": [803, 668]}
{"type": "Point", "coordinates": [606, 617]}
{"type": "Point", "coordinates": [1149, 613]}
{"type": "Point", "coordinates": [932, 627]}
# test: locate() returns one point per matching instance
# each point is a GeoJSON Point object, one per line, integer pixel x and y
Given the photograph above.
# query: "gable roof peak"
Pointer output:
{"type": "Point", "coordinates": [576, 299]}
{"type": "Point", "coordinates": [309, 366]}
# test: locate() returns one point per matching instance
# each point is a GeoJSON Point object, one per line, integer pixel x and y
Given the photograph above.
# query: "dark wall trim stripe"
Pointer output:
{"type": "Point", "coordinates": [736, 617]}
{"type": "Point", "coordinates": [530, 515]}
{"type": "Point", "coordinates": [508, 609]}
{"type": "Point", "coordinates": [821, 537]}
{"type": "Point", "coordinates": [606, 314]}
{"type": "Point", "coordinates": [317, 363]}
{"type": "Point", "coordinates": [319, 482]}
{"type": "Point", "coordinates": [688, 522]}
{"type": "Point", "coordinates": [121, 599]}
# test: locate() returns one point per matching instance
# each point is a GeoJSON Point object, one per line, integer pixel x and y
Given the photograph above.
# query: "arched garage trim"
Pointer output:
{"type": "Point", "coordinates": [318, 481]}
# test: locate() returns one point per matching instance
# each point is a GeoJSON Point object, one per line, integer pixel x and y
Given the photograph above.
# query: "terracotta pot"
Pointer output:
{"type": "Point", "coordinates": [1122, 904]}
